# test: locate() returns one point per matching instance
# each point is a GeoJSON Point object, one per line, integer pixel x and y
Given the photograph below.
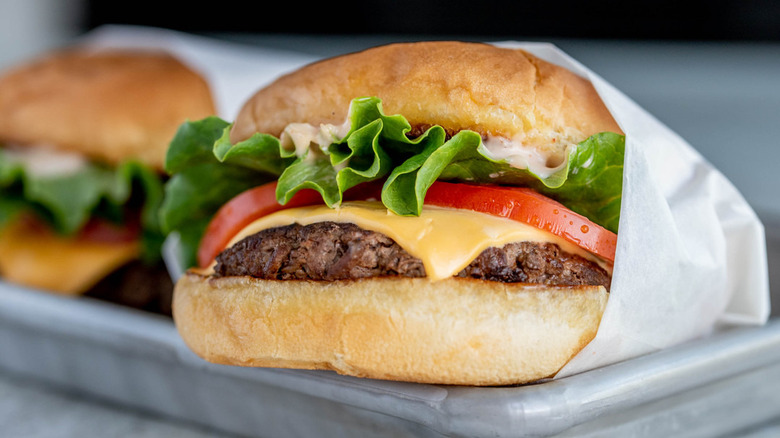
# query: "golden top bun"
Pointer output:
{"type": "Point", "coordinates": [495, 91]}
{"type": "Point", "coordinates": [455, 331]}
{"type": "Point", "coordinates": [110, 105]}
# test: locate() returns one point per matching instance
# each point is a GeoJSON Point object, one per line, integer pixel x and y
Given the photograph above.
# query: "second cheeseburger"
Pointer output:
{"type": "Point", "coordinates": [439, 212]}
{"type": "Point", "coordinates": [83, 138]}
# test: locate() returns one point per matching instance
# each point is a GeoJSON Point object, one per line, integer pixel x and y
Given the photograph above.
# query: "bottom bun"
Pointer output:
{"type": "Point", "coordinates": [455, 331]}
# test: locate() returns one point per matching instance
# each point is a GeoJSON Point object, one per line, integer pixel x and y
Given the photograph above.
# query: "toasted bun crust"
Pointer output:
{"type": "Point", "coordinates": [110, 105]}
{"type": "Point", "coordinates": [456, 331]}
{"type": "Point", "coordinates": [494, 91]}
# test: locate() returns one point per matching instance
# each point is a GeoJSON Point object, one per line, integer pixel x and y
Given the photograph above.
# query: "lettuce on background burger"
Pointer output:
{"type": "Point", "coordinates": [83, 135]}
{"type": "Point", "coordinates": [431, 212]}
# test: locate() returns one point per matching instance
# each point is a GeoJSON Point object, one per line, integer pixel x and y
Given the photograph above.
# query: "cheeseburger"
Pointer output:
{"type": "Point", "coordinates": [83, 135]}
{"type": "Point", "coordinates": [437, 212]}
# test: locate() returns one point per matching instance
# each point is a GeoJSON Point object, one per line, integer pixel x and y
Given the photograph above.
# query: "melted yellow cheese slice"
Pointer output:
{"type": "Point", "coordinates": [446, 240]}
{"type": "Point", "coordinates": [46, 261]}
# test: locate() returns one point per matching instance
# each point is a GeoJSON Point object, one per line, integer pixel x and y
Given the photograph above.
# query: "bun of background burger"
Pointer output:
{"type": "Point", "coordinates": [450, 331]}
{"type": "Point", "coordinates": [78, 107]}
{"type": "Point", "coordinates": [109, 105]}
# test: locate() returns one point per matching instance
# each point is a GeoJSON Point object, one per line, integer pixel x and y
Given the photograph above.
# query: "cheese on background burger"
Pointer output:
{"type": "Point", "coordinates": [430, 212]}
{"type": "Point", "coordinates": [83, 135]}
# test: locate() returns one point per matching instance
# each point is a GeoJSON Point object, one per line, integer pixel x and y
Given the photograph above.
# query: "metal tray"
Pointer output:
{"type": "Point", "coordinates": [724, 383]}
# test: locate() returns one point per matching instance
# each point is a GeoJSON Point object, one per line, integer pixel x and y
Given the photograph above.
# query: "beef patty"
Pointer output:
{"type": "Point", "coordinates": [329, 251]}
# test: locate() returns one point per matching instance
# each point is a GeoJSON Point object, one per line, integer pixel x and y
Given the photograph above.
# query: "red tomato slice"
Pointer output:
{"type": "Point", "coordinates": [529, 207]}
{"type": "Point", "coordinates": [520, 204]}
{"type": "Point", "coordinates": [98, 230]}
{"type": "Point", "coordinates": [95, 230]}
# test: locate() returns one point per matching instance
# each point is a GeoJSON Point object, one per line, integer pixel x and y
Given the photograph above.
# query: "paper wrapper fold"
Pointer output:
{"type": "Point", "coordinates": [691, 254]}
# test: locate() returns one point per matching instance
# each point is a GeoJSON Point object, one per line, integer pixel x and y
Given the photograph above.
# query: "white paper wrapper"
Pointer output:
{"type": "Point", "coordinates": [691, 253]}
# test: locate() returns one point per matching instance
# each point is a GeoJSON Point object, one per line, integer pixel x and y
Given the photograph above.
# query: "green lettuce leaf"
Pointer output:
{"type": "Point", "coordinates": [594, 183]}
{"type": "Point", "coordinates": [200, 183]}
{"type": "Point", "coordinates": [10, 207]}
{"type": "Point", "coordinates": [376, 147]}
{"type": "Point", "coordinates": [68, 201]}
